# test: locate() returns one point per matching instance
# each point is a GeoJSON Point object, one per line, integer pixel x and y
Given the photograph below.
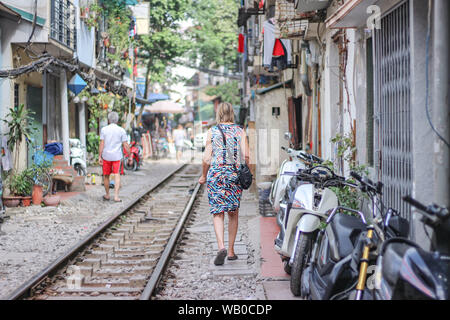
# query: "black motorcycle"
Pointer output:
{"type": "Point", "coordinates": [345, 247]}
{"type": "Point", "coordinates": [407, 272]}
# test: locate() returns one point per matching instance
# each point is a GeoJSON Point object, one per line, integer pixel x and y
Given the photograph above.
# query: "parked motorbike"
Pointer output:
{"type": "Point", "coordinates": [320, 199]}
{"type": "Point", "coordinates": [77, 157]}
{"type": "Point", "coordinates": [406, 271]}
{"type": "Point", "coordinates": [132, 161]}
{"type": "Point", "coordinates": [162, 148]}
{"type": "Point", "coordinates": [345, 247]}
{"type": "Point", "coordinates": [307, 193]}
{"type": "Point", "coordinates": [298, 159]}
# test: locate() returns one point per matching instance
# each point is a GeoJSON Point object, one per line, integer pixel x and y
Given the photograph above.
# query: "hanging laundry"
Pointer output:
{"type": "Point", "coordinates": [277, 52]}
{"type": "Point", "coordinates": [278, 49]}
{"type": "Point", "coordinates": [261, 4]}
{"type": "Point", "coordinates": [241, 43]}
{"type": "Point", "coordinates": [5, 154]}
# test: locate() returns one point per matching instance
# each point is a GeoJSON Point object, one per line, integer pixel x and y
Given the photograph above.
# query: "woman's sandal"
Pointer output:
{"type": "Point", "coordinates": [220, 258]}
{"type": "Point", "coordinates": [234, 257]}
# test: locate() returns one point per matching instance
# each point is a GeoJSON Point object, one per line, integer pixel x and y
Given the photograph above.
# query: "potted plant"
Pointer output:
{"type": "Point", "coordinates": [18, 121]}
{"type": "Point", "coordinates": [11, 201]}
{"type": "Point", "coordinates": [52, 200]}
{"type": "Point", "coordinates": [21, 185]}
{"type": "Point", "coordinates": [40, 172]}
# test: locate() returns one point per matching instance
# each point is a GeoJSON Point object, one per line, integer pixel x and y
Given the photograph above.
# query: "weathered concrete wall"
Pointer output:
{"type": "Point", "coordinates": [270, 133]}
{"type": "Point", "coordinates": [357, 83]}
{"type": "Point", "coordinates": [330, 118]}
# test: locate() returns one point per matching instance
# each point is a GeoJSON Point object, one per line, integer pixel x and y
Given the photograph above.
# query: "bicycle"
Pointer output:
{"type": "Point", "coordinates": [42, 161]}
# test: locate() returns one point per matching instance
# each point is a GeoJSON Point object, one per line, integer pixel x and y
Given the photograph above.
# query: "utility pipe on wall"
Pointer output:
{"type": "Point", "coordinates": [439, 99]}
{"type": "Point", "coordinates": [82, 123]}
{"type": "Point", "coordinates": [64, 114]}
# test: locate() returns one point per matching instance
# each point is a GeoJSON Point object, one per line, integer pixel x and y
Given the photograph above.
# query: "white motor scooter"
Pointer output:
{"type": "Point", "coordinates": [77, 159]}
{"type": "Point", "coordinates": [287, 169]}
{"type": "Point", "coordinates": [303, 206]}
{"type": "Point", "coordinates": [308, 206]}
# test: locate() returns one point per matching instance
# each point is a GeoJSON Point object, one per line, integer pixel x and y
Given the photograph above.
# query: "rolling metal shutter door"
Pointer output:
{"type": "Point", "coordinates": [393, 157]}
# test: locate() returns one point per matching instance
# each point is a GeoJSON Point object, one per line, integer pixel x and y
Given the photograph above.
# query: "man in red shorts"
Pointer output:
{"type": "Point", "coordinates": [112, 139]}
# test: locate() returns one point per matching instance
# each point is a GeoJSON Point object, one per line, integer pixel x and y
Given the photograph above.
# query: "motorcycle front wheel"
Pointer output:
{"type": "Point", "coordinates": [130, 167]}
{"type": "Point", "coordinates": [301, 257]}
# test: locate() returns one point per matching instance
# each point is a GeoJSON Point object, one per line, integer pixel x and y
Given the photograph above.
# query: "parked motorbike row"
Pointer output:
{"type": "Point", "coordinates": [334, 252]}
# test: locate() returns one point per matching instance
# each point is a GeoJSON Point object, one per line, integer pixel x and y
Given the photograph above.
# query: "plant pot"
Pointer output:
{"type": "Point", "coordinates": [11, 202]}
{"type": "Point", "coordinates": [37, 195]}
{"type": "Point", "coordinates": [26, 201]}
{"type": "Point", "coordinates": [52, 201]}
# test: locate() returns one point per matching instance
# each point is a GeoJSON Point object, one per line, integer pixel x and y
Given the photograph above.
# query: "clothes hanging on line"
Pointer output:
{"type": "Point", "coordinates": [5, 154]}
{"type": "Point", "coordinates": [241, 43]}
{"type": "Point", "coordinates": [269, 47]}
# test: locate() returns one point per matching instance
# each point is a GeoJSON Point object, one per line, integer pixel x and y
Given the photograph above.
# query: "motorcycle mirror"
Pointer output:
{"type": "Point", "coordinates": [288, 136]}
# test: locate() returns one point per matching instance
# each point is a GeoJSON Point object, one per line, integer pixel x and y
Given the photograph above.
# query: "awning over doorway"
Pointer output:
{"type": "Point", "coordinates": [152, 98]}
{"type": "Point", "coordinates": [164, 107]}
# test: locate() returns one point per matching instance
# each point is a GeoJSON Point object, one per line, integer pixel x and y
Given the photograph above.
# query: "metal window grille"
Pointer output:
{"type": "Point", "coordinates": [63, 26]}
{"type": "Point", "coordinates": [393, 108]}
{"type": "Point", "coordinates": [289, 24]}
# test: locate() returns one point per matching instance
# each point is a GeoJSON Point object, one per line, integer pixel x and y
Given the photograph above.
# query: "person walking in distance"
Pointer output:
{"type": "Point", "coordinates": [226, 147]}
{"type": "Point", "coordinates": [112, 139]}
{"type": "Point", "coordinates": [179, 135]}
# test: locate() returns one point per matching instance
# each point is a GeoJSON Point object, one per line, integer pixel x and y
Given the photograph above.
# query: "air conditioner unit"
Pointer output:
{"type": "Point", "coordinates": [311, 5]}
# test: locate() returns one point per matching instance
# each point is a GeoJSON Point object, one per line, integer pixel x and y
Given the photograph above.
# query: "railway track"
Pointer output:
{"type": "Point", "coordinates": [126, 256]}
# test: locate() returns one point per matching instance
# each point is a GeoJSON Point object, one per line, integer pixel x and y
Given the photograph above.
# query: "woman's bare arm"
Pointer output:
{"type": "Point", "coordinates": [207, 155]}
{"type": "Point", "coordinates": [245, 149]}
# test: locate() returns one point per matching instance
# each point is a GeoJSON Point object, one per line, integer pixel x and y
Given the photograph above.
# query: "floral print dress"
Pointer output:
{"type": "Point", "coordinates": [224, 190]}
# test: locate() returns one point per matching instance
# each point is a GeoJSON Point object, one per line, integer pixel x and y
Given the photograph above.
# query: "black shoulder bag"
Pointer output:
{"type": "Point", "coordinates": [245, 177]}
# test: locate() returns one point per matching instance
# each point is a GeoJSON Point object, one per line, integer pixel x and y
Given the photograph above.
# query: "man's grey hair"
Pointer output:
{"type": "Point", "coordinates": [113, 117]}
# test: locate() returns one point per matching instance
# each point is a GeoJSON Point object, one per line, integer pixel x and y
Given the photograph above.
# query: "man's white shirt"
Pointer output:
{"type": "Point", "coordinates": [113, 137]}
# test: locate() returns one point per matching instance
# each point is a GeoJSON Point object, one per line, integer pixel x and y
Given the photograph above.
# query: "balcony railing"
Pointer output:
{"type": "Point", "coordinates": [63, 24]}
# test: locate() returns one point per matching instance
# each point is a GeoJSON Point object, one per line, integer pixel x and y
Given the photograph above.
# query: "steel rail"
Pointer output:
{"type": "Point", "coordinates": [169, 248]}
{"type": "Point", "coordinates": [25, 289]}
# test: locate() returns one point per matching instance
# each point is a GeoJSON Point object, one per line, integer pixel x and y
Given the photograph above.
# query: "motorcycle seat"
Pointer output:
{"type": "Point", "coordinates": [345, 230]}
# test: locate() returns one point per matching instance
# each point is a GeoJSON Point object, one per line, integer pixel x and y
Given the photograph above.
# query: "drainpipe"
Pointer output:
{"type": "Point", "coordinates": [439, 67]}
{"type": "Point", "coordinates": [64, 114]}
{"type": "Point", "coordinates": [44, 107]}
{"type": "Point", "coordinates": [82, 122]}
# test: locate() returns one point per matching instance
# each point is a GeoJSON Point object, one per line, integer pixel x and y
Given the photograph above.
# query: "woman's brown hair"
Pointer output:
{"type": "Point", "coordinates": [225, 113]}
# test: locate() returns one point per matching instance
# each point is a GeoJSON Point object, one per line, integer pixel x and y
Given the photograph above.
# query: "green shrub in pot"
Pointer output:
{"type": "Point", "coordinates": [21, 184]}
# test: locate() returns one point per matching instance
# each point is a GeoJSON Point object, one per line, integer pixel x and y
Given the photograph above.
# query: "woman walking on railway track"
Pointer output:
{"type": "Point", "coordinates": [226, 148]}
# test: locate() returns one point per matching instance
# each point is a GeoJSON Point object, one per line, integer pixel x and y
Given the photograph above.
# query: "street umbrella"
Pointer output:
{"type": "Point", "coordinates": [76, 84]}
{"type": "Point", "coordinates": [164, 107]}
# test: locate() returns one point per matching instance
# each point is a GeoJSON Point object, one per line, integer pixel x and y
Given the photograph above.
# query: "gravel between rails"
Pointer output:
{"type": "Point", "coordinates": [36, 236]}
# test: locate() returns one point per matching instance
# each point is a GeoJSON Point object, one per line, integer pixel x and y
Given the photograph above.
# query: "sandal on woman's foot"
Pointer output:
{"type": "Point", "coordinates": [234, 257]}
{"type": "Point", "coordinates": [220, 258]}
{"type": "Point", "coordinates": [105, 198]}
